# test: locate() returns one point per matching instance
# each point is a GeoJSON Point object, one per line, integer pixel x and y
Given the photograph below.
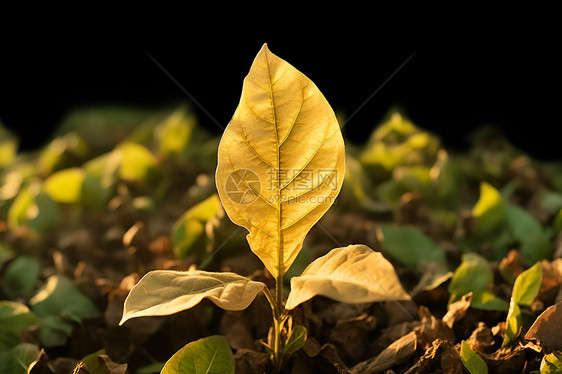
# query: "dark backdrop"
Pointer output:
{"type": "Point", "coordinates": [449, 86]}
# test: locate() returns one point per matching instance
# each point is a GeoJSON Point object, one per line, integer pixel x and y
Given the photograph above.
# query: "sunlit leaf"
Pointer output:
{"type": "Point", "coordinates": [527, 285]}
{"type": "Point", "coordinates": [189, 229]}
{"type": "Point", "coordinates": [65, 186]}
{"type": "Point", "coordinates": [137, 162]}
{"type": "Point", "coordinates": [352, 274]}
{"type": "Point", "coordinates": [18, 359]}
{"type": "Point", "coordinates": [57, 303]}
{"type": "Point", "coordinates": [20, 277]}
{"type": "Point", "coordinates": [61, 152]}
{"type": "Point", "coordinates": [398, 142]}
{"type": "Point", "coordinates": [295, 340]}
{"type": "Point", "coordinates": [514, 323]}
{"type": "Point", "coordinates": [535, 242]}
{"type": "Point", "coordinates": [551, 363]}
{"type": "Point", "coordinates": [174, 133]}
{"type": "Point", "coordinates": [164, 292]}
{"type": "Point", "coordinates": [475, 275]}
{"type": "Point", "coordinates": [15, 318]}
{"type": "Point", "coordinates": [207, 355]}
{"type": "Point", "coordinates": [472, 360]}
{"type": "Point", "coordinates": [489, 210]}
{"type": "Point", "coordinates": [281, 160]}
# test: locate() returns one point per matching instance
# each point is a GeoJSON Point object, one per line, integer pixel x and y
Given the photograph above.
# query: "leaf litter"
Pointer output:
{"type": "Point", "coordinates": [100, 252]}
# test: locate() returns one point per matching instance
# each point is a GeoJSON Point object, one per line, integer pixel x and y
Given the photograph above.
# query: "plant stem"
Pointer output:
{"type": "Point", "coordinates": [278, 321]}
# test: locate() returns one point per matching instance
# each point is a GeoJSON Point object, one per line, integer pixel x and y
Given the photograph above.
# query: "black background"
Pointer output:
{"type": "Point", "coordinates": [450, 85]}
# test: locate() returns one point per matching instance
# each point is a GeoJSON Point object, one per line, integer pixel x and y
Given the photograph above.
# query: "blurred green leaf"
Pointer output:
{"type": "Point", "coordinates": [20, 277]}
{"type": "Point", "coordinates": [18, 359]}
{"type": "Point", "coordinates": [475, 275]}
{"type": "Point", "coordinates": [174, 132]}
{"type": "Point", "coordinates": [152, 368]}
{"type": "Point", "coordinates": [100, 177]}
{"type": "Point", "coordinates": [137, 163]}
{"type": "Point", "coordinates": [8, 147]}
{"type": "Point", "coordinates": [100, 363]}
{"type": "Point", "coordinates": [513, 323]}
{"type": "Point", "coordinates": [527, 285]}
{"type": "Point", "coordinates": [295, 340]}
{"type": "Point", "coordinates": [558, 222]}
{"type": "Point", "coordinates": [106, 126]}
{"type": "Point", "coordinates": [64, 151]}
{"type": "Point", "coordinates": [15, 318]}
{"type": "Point", "coordinates": [472, 360]}
{"type": "Point", "coordinates": [410, 246]}
{"type": "Point", "coordinates": [34, 209]}
{"type": "Point", "coordinates": [207, 355]}
{"type": "Point", "coordinates": [489, 210]}
{"type": "Point", "coordinates": [6, 254]}
{"type": "Point", "coordinates": [358, 187]}
{"type": "Point", "coordinates": [188, 232]}
{"type": "Point", "coordinates": [65, 186]}
{"type": "Point", "coordinates": [57, 303]}
{"type": "Point", "coordinates": [527, 230]}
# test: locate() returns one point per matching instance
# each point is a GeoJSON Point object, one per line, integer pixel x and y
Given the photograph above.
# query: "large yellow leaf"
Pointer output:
{"type": "Point", "coordinates": [164, 292]}
{"type": "Point", "coordinates": [352, 274]}
{"type": "Point", "coordinates": [281, 160]}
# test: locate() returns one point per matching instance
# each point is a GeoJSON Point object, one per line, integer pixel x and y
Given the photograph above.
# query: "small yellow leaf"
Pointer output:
{"type": "Point", "coordinates": [281, 160]}
{"type": "Point", "coordinates": [352, 274]}
{"type": "Point", "coordinates": [164, 292]}
{"type": "Point", "coordinates": [65, 186]}
{"type": "Point", "coordinates": [137, 162]}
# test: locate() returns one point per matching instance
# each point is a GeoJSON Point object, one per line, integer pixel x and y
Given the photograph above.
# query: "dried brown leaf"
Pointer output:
{"type": "Point", "coordinates": [394, 354]}
{"type": "Point", "coordinates": [547, 329]}
{"type": "Point", "coordinates": [457, 310]}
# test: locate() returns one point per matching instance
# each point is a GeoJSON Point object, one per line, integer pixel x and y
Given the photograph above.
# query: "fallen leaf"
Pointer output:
{"type": "Point", "coordinates": [394, 354]}
{"type": "Point", "coordinates": [547, 328]}
{"type": "Point", "coordinates": [457, 310]}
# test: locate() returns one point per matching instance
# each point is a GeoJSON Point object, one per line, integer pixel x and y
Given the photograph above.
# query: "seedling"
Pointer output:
{"type": "Point", "coordinates": [281, 164]}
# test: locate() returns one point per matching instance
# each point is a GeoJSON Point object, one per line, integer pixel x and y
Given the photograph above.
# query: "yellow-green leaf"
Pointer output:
{"type": "Point", "coordinates": [527, 284]}
{"type": "Point", "coordinates": [207, 355]}
{"type": "Point", "coordinates": [65, 186]}
{"type": "Point", "coordinates": [489, 210]}
{"type": "Point", "coordinates": [281, 160]}
{"type": "Point", "coordinates": [295, 340]}
{"type": "Point", "coordinates": [472, 360]}
{"type": "Point", "coordinates": [514, 323]}
{"type": "Point", "coordinates": [352, 274]}
{"type": "Point", "coordinates": [137, 162]}
{"type": "Point", "coordinates": [164, 292]}
{"type": "Point", "coordinates": [190, 227]}
{"type": "Point", "coordinates": [173, 134]}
